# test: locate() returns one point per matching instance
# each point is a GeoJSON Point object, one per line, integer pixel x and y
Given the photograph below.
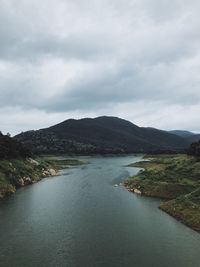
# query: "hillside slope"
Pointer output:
{"type": "Point", "coordinates": [182, 133]}
{"type": "Point", "coordinates": [175, 179]}
{"type": "Point", "coordinates": [189, 136]}
{"type": "Point", "coordinates": [100, 135]}
{"type": "Point", "coordinates": [194, 138]}
{"type": "Point", "coordinates": [11, 148]}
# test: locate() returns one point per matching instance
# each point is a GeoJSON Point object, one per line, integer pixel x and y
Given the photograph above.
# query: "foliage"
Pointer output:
{"type": "Point", "coordinates": [18, 172]}
{"type": "Point", "coordinates": [170, 168]}
{"type": "Point", "coordinates": [101, 135]}
{"type": "Point", "coordinates": [175, 177]}
{"type": "Point", "coordinates": [194, 149]}
{"type": "Point", "coordinates": [10, 148]}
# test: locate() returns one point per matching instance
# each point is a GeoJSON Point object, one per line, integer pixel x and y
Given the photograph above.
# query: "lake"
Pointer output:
{"type": "Point", "coordinates": [80, 219]}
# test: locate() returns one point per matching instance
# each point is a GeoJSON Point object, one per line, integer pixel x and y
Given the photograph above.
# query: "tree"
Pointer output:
{"type": "Point", "coordinates": [194, 149]}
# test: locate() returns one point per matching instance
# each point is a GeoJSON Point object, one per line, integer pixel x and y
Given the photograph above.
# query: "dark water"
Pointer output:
{"type": "Point", "coordinates": [81, 219]}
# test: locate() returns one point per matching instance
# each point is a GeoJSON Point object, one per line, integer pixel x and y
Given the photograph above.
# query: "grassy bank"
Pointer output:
{"type": "Point", "coordinates": [21, 172]}
{"type": "Point", "coordinates": [175, 178]}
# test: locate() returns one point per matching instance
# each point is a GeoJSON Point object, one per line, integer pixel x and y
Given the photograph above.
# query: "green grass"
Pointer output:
{"type": "Point", "coordinates": [185, 208]}
{"type": "Point", "coordinates": [174, 177]}
{"type": "Point", "coordinates": [13, 173]}
{"type": "Point", "coordinates": [173, 168]}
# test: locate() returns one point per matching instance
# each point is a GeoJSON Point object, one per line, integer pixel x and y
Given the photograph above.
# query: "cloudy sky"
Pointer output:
{"type": "Point", "coordinates": [135, 59]}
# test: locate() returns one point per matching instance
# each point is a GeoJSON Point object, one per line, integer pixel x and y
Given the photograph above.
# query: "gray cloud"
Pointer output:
{"type": "Point", "coordinates": [63, 58]}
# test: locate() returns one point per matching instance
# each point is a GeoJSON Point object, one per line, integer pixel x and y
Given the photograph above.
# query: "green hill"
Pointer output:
{"type": "Point", "coordinates": [101, 135]}
{"type": "Point", "coordinates": [12, 149]}
{"type": "Point", "coordinates": [175, 178]}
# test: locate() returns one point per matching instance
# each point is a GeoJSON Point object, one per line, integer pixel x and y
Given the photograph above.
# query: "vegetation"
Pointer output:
{"type": "Point", "coordinates": [194, 149]}
{"type": "Point", "coordinates": [172, 177]}
{"type": "Point", "coordinates": [100, 135]}
{"type": "Point", "coordinates": [10, 148]}
{"type": "Point", "coordinates": [193, 138]}
{"type": "Point", "coordinates": [185, 208]}
{"type": "Point", "coordinates": [15, 173]}
{"type": "Point", "coordinates": [17, 168]}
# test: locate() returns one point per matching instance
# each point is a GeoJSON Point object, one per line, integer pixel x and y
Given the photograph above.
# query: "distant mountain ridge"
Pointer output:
{"type": "Point", "coordinates": [101, 135]}
{"type": "Point", "coordinates": [182, 133]}
{"type": "Point", "coordinates": [189, 136]}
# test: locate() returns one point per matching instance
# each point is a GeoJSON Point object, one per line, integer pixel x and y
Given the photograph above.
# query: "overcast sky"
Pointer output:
{"type": "Point", "coordinates": [135, 59]}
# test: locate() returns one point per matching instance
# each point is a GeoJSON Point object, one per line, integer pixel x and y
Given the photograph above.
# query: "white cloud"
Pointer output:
{"type": "Point", "coordinates": [73, 58]}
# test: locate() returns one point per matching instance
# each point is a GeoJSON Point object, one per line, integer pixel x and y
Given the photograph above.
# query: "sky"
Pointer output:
{"type": "Point", "coordinates": [134, 59]}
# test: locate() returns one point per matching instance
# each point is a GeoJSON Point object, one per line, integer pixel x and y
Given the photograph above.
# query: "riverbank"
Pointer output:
{"type": "Point", "coordinates": [17, 173]}
{"type": "Point", "coordinates": [175, 179]}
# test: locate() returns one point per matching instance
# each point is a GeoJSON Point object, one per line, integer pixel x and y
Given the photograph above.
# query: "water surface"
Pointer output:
{"type": "Point", "coordinates": [80, 219]}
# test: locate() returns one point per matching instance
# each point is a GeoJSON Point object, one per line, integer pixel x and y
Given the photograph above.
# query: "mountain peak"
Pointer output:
{"type": "Point", "coordinates": [104, 134]}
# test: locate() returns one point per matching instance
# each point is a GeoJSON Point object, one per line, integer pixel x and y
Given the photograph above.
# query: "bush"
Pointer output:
{"type": "Point", "coordinates": [11, 149]}
{"type": "Point", "coordinates": [194, 149]}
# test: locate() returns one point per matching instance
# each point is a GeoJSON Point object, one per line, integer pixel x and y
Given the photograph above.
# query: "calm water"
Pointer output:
{"type": "Point", "coordinates": [81, 219]}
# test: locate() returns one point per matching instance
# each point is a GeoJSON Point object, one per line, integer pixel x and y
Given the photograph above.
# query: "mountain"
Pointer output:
{"type": "Point", "coordinates": [11, 148]}
{"type": "Point", "coordinates": [189, 136]}
{"type": "Point", "coordinates": [193, 138]}
{"type": "Point", "coordinates": [182, 133]}
{"type": "Point", "coordinates": [100, 135]}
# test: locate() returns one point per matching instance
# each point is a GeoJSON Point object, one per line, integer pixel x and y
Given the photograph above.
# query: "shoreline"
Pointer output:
{"type": "Point", "coordinates": [23, 172]}
{"type": "Point", "coordinates": [19, 173]}
{"type": "Point", "coordinates": [180, 197]}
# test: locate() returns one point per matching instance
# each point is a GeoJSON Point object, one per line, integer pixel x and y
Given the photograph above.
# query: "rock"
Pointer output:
{"type": "Point", "coordinates": [32, 161]}
{"type": "Point", "coordinates": [27, 180]}
{"type": "Point", "coordinates": [52, 172]}
{"type": "Point", "coordinates": [7, 191]}
{"type": "Point", "coordinates": [21, 182]}
{"type": "Point", "coordinates": [45, 173]}
{"type": "Point", "coordinates": [137, 191]}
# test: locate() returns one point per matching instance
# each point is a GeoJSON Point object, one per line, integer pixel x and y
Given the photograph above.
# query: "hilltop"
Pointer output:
{"type": "Point", "coordinates": [101, 135]}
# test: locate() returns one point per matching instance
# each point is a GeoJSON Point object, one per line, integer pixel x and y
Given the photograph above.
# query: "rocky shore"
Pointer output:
{"type": "Point", "coordinates": [19, 173]}
{"type": "Point", "coordinates": [22, 172]}
{"type": "Point", "coordinates": [176, 180]}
